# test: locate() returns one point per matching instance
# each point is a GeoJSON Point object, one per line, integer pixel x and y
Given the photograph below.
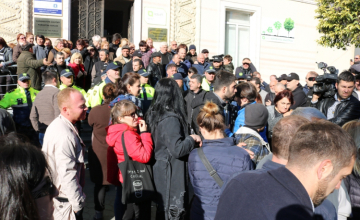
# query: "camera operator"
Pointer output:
{"type": "Point", "coordinates": [309, 88]}
{"type": "Point", "coordinates": [342, 107]}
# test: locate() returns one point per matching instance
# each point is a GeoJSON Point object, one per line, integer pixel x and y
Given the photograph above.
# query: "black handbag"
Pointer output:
{"type": "Point", "coordinates": [137, 183]}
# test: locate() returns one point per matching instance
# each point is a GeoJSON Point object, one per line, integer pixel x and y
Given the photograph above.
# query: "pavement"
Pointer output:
{"type": "Point", "coordinates": [89, 210]}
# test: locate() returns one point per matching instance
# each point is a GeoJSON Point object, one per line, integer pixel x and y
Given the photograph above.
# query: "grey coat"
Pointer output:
{"type": "Point", "coordinates": [40, 52]}
{"type": "Point", "coordinates": [272, 119]}
{"type": "Point", "coordinates": [8, 56]}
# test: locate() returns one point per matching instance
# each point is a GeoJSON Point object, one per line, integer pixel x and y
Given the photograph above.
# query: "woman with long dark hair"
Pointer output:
{"type": "Point", "coordinates": [25, 186]}
{"type": "Point", "coordinates": [128, 87]}
{"type": "Point", "coordinates": [166, 118]}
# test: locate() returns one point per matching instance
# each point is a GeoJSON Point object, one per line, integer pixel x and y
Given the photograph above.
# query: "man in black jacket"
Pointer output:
{"type": "Point", "coordinates": [297, 90]}
{"type": "Point", "coordinates": [292, 192]}
{"type": "Point", "coordinates": [129, 65]}
{"type": "Point", "coordinates": [309, 88]}
{"type": "Point", "coordinates": [155, 69]}
{"type": "Point", "coordinates": [342, 107]}
{"type": "Point", "coordinates": [247, 67]}
{"type": "Point", "coordinates": [100, 66]}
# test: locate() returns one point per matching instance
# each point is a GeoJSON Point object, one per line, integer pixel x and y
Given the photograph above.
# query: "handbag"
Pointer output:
{"type": "Point", "coordinates": [209, 168]}
{"type": "Point", "coordinates": [137, 183]}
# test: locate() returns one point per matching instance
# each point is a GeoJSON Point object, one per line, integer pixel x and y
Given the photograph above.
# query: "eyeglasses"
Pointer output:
{"type": "Point", "coordinates": [246, 64]}
{"type": "Point", "coordinates": [133, 115]}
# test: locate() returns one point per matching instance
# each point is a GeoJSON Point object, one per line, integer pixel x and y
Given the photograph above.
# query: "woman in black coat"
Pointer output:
{"type": "Point", "coordinates": [172, 146]}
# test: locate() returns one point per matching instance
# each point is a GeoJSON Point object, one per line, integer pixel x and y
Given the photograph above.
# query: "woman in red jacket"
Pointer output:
{"type": "Point", "coordinates": [76, 63]}
{"type": "Point", "coordinates": [139, 148]}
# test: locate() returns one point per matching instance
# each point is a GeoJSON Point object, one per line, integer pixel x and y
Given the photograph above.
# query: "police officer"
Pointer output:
{"type": "Point", "coordinates": [67, 80]}
{"type": "Point", "coordinates": [147, 92]}
{"type": "Point", "coordinates": [20, 100]}
{"type": "Point", "coordinates": [208, 80]}
{"type": "Point", "coordinates": [217, 63]}
{"type": "Point", "coordinates": [95, 95]}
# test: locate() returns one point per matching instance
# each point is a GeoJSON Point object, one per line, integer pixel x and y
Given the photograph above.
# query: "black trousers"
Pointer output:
{"type": "Point", "coordinates": [99, 196]}
{"type": "Point", "coordinates": [139, 211]}
{"type": "Point", "coordinates": [79, 214]}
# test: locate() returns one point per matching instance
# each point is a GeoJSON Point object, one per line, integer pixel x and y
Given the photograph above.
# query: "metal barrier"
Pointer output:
{"type": "Point", "coordinates": [9, 71]}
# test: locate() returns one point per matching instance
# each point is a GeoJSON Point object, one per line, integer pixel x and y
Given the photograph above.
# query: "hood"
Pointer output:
{"type": "Point", "coordinates": [119, 98]}
{"type": "Point", "coordinates": [114, 133]}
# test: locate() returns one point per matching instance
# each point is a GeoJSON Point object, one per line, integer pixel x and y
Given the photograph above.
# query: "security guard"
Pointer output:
{"type": "Point", "coordinates": [147, 92]}
{"type": "Point", "coordinates": [95, 96]}
{"type": "Point", "coordinates": [208, 80]}
{"type": "Point", "coordinates": [67, 80]}
{"type": "Point", "coordinates": [217, 63]}
{"type": "Point", "coordinates": [20, 100]}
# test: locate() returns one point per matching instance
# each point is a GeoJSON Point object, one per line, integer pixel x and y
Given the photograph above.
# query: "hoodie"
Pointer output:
{"type": "Point", "coordinates": [138, 147]}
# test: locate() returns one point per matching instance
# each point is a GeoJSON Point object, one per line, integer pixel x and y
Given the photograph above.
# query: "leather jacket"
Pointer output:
{"type": "Point", "coordinates": [156, 72]}
{"type": "Point", "coordinates": [346, 111]}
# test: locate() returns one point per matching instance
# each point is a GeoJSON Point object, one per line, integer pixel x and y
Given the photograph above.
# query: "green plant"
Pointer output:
{"type": "Point", "coordinates": [270, 30]}
{"type": "Point", "coordinates": [277, 26]}
{"type": "Point", "coordinates": [289, 25]}
{"type": "Point", "coordinates": [338, 23]}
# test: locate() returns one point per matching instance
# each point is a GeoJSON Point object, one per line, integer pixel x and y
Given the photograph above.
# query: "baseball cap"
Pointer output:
{"type": "Point", "coordinates": [143, 73]}
{"type": "Point", "coordinates": [210, 70]}
{"type": "Point", "coordinates": [240, 75]}
{"type": "Point", "coordinates": [112, 66]}
{"type": "Point", "coordinates": [66, 73]}
{"type": "Point", "coordinates": [125, 47]}
{"type": "Point", "coordinates": [177, 76]}
{"type": "Point", "coordinates": [137, 54]}
{"type": "Point", "coordinates": [282, 77]}
{"type": "Point", "coordinates": [292, 76]}
{"type": "Point", "coordinates": [23, 77]}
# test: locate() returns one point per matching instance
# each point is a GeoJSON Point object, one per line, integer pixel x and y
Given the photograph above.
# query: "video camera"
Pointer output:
{"type": "Point", "coordinates": [325, 84]}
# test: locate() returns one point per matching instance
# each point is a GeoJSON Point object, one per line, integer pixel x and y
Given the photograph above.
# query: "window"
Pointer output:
{"type": "Point", "coordinates": [237, 35]}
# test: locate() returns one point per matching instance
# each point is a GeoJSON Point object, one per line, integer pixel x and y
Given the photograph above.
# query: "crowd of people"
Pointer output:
{"type": "Point", "coordinates": [173, 129]}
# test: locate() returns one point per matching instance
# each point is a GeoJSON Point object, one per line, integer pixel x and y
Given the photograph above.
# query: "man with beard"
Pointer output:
{"type": "Point", "coordinates": [100, 66]}
{"type": "Point", "coordinates": [292, 192]}
{"type": "Point", "coordinates": [60, 64]}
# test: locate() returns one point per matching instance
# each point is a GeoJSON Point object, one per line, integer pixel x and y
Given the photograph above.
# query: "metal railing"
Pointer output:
{"type": "Point", "coordinates": [9, 71]}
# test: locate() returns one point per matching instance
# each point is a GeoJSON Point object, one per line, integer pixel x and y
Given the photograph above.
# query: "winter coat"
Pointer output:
{"type": "Point", "coordinates": [191, 58]}
{"type": "Point", "coordinates": [229, 67]}
{"type": "Point", "coordinates": [16, 52]}
{"type": "Point", "coordinates": [128, 67]}
{"type": "Point", "coordinates": [40, 52]}
{"type": "Point", "coordinates": [26, 63]}
{"type": "Point", "coordinates": [248, 71]}
{"type": "Point", "coordinates": [202, 67]}
{"type": "Point", "coordinates": [89, 65]}
{"type": "Point", "coordinates": [273, 118]}
{"type": "Point", "coordinates": [346, 111]}
{"type": "Point", "coordinates": [99, 119]}
{"type": "Point", "coordinates": [191, 115]}
{"type": "Point", "coordinates": [146, 56]}
{"type": "Point", "coordinates": [121, 59]}
{"type": "Point", "coordinates": [263, 94]}
{"type": "Point", "coordinates": [52, 54]}
{"type": "Point", "coordinates": [156, 73]}
{"type": "Point", "coordinates": [299, 97]}
{"type": "Point", "coordinates": [64, 152]}
{"type": "Point", "coordinates": [8, 56]}
{"type": "Point", "coordinates": [79, 81]}
{"type": "Point", "coordinates": [181, 68]}
{"type": "Point", "coordinates": [138, 146]}
{"type": "Point", "coordinates": [270, 97]}
{"type": "Point", "coordinates": [172, 148]}
{"type": "Point", "coordinates": [226, 158]}
{"type": "Point", "coordinates": [254, 142]}
{"type": "Point", "coordinates": [7, 124]}
{"type": "Point", "coordinates": [352, 183]}
{"type": "Point", "coordinates": [112, 50]}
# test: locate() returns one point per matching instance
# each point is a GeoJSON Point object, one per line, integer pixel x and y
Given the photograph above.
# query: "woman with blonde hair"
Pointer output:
{"type": "Point", "coordinates": [352, 182]}
{"type": "Point", "coordinates": [223, 155]}
{"type": "Point", "coordinates": [76, 63]}
{"type": "Point", "coordinates": [105, 45]}
{"type": "Point", "coordinates": [149, 43]}
{"type": "Point", "coordinates": [124, 41]}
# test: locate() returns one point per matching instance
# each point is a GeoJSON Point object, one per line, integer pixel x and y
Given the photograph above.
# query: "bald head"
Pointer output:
{"type": "Point", "coordinates": [201, 58]}
{"type": "Point", "coordinates": [278, 88]}
{"type": "Point", "coordinates": [176, 59]}
{"type": "Point", "coordinates": [72, 105]}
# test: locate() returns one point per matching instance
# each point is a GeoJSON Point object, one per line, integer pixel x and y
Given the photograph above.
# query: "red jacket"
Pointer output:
{"type": "Point", "coordinates": [76, 68]}
{"type": "Point", "coordinates": [139, 148]}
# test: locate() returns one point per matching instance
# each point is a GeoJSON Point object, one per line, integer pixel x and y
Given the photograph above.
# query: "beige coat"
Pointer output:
{"type": "Point", "coordinates": [64, 151]}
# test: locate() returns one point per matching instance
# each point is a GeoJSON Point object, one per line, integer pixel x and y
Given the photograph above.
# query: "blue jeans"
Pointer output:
{"type": "Point", "coordinates": [41, 138]}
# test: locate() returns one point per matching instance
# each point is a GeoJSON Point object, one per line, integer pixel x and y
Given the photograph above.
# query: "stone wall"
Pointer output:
{"type": "Point", "coordinates": [15, 17]}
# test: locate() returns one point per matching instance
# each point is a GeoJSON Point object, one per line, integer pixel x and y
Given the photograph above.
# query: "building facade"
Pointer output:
{"type": "Point", "coordinates": [279, 36]}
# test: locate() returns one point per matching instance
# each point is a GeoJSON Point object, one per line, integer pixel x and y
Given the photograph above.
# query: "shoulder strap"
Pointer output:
{"type": "Point", "coordinates": [209, 168]}
{"type": "Point", "coordinates": [126, 156]}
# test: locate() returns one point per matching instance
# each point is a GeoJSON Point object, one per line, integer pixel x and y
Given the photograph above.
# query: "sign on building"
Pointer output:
{"type": "Point", "coordinates": [158, 34]}
{"type": "Point", "coordinates": [48, 7]}
{"type": "Point", "coordinates": [279, 30]}
{"type": "Point", "coordinates": [155, 16]}
{"type": "Point", "coordinates": [48, 27]}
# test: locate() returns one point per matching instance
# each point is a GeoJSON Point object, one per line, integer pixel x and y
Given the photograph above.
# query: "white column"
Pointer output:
{"type": "Point", "coordinates": [66, 25]}
{"type": "Point", "coordinates": [137, 21]}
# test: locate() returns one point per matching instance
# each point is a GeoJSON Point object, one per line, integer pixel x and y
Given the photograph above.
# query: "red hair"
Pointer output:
{"type": "Point", "coordinates": [18, 36]}
{"type": "Point", "coordinates": [284, 94]}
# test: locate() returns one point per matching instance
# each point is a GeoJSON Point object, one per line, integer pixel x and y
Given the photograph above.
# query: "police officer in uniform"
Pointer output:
{"type": "Point", "coordinates": [147, 92]}
{"type": "Point", "coordinates": [217, 63]}
{"type": "Point", "coordinates": [95, 95]}
{"type": "Point", "coordinates": [20, 100]}
{"type": "Point", "coordinates": [67, 80]}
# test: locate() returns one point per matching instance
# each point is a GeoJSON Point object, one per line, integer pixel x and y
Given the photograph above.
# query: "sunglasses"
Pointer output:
{"type": "Point", "coordinates": [246, 64]}
{"type": "Point", "coordinates": [133, 115]}
{"type": "Point", "coordinates": [356, 58]}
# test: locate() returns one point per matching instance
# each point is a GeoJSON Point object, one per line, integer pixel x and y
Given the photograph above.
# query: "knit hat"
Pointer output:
{"type": "Point", "coordinates": [256, 116]}
{"type": "Point", "coordinates": [192, 46]}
